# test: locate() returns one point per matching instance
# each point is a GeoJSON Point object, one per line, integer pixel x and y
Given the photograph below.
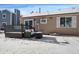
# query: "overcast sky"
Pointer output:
{"type": "Point", "coordinates": [27, 8]}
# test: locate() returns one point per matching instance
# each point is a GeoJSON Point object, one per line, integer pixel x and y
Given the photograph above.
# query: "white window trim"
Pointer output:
{"type": "Point", "coordinates": [43, 22]}
{"type": "Point", "coordinates": [4, 22]}
{"type": "Point", "coordinates": [3, 17]}
{"type": "Point", "coordinates": [73, 25]}
{"type": "Point", "coordinates": [29, 20]}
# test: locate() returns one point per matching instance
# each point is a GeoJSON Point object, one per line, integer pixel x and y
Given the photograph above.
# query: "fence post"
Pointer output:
{"type": "Point", "coordinates": [5, 29]}
{"type": "Point", "coordinates": [22, 30]}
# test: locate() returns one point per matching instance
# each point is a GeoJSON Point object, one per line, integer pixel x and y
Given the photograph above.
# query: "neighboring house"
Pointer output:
{"type": "Point", "coordinates": [61, 21]}
{"type": "Point", "coordinates": [9, 18]}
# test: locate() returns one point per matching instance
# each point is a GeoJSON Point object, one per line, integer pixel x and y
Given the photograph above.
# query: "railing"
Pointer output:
{"type": "Point", "coordinates": [14, 31]}
{"type": "Point", "coordinates": [18, 28]}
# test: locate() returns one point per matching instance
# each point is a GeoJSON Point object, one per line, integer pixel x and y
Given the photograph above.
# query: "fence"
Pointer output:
{"type": "Point", "coordinates": [14, 31]}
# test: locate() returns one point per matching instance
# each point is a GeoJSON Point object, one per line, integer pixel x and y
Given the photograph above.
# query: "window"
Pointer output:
{"type": "Point", "coordinates": [69, 21]}
{"type": "Point", "coordinates": [28, 24]}
{"type": "Point", "coordinates": [66, 22]}
{"type": "Point", "coordinates": [43, 21]}
{"type": "Point", "coordinates": [4, 24]}
{"type": "Point", "coordinates": [3, 16]}
{"type": "Point", "coordinates": [62, 21]}
{"type": "Point", "coordinates": [37, 21]}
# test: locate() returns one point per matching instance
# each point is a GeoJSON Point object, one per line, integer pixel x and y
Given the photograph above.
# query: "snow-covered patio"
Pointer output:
{"type": "Point", "coordinates": [48, 44]}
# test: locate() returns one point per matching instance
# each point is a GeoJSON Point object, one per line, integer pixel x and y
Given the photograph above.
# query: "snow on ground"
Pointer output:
{"type": "Point", "coordinates": [47, 45]}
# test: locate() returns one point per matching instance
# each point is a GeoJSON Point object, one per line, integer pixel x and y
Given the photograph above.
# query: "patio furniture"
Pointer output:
{"type": "Point", "coordinates": [13, 34]}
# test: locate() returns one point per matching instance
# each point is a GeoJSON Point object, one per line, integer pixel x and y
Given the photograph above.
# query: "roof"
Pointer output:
{"type": "Point", "coordinates": [8, 9]}
{"type": "Point", "coordinates": [73, 10]}
{"type": "Point", "coordinates": [11, 10]}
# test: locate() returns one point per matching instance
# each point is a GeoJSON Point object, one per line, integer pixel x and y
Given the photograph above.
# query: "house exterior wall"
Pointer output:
{"type": "Point", "coordinates": [13, 19]}
{"type": "Point", "coordinates": [7, 19]}
{"type": "Point", "coordinates": [17, 20]}
{"type": "Point", "coordinates": [51, 26]}
{"type": "Point", "coordinates": [10, 18]}
{"type": "Point", "coordinates": [68, 30]}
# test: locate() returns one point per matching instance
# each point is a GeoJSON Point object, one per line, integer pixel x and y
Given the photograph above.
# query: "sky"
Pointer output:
{"type": "Point", "coordinates": [28, 8]}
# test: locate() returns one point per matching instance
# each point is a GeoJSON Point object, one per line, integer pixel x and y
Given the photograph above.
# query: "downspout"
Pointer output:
{"type": "Point", "coordinates": [38, 24]}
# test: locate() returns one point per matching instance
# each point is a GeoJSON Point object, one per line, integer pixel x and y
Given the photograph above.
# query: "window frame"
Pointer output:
{"type": "Point", "coordinates": [4, 23]}
{"type": "Point", "coordinates": [66, 26]}
{"type": "Point", "coordinates": [62, 23]}
{"type": "Point", "coordinates": [3, 17]}
{"type": "Point", "coordinates": [43, 22]}
{"type": "Point", "coordinates": [65, 23]}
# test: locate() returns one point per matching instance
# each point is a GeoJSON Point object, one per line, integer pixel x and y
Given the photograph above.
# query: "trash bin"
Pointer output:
{"type": "Point", "coordinates": [38, 35]}
{"type": "Point", "coordinates": [27, 34]}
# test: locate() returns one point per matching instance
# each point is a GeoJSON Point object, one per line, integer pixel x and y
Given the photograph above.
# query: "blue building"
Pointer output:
{"type": "Point", "coordinates": [9, 18]}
